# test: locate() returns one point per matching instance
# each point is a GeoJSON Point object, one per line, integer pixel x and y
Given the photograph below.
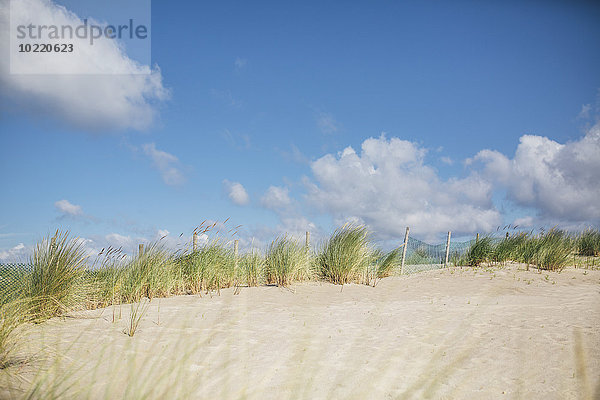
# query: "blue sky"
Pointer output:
{"type": "Point", "coordinates": [457, 116]}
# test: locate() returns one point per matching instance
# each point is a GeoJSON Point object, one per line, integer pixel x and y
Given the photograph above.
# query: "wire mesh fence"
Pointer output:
{"type": "Point", "coordinates": [13, 278]}
{"type": "Point", "coordinates": [422, 256]}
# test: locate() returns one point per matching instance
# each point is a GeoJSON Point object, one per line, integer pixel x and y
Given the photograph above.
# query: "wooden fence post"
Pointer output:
{"type": "Point", "coordinates": [141, 249]}
{"type": "Point", "coordinates": [404, 251]}
{"type": "Point", "coordinates": [477, 238]}
{"type": "Point", "coordinates": [307, 250]}
{"type": "Point", "coordinates": [235, 251]}
{"type": "Point", "coordinates": [195, 242]}
{"type": "Point", "coordinates": [447, 249]}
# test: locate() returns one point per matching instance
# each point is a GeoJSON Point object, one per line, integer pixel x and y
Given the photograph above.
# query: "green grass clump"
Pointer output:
{"type": "Point", "coordinates": [386, 263]}
{"type": "Point", "coordinates": [588, 243]}
{"type": "Point", "coordinates": [554, 250]}
{"type": "Point", "coordinates": [346, 256]}
{"type": "Point", "coordinates": [56, 284]}
{"type": "Point", "coordinates": [527, 250]}
{"type": "Point", "coordinates": [211, 267]}
{"type": "Point", "coordinates": [285, 261]}
{"type": "Point", "coordinates": [251, 268]}
{"type": "Point", "coordinates": [548, 250]}
{"type": "Point", "coordinates": [151, 274]}
{"type": "Point", "coordinates": [106, 277]}
{"type": "Point", "coordinates": [480, 251]}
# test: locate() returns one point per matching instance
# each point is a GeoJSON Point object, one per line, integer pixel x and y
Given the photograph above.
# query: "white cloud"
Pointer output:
{"type": "Point", "coordinates": [388, 186]}
{"type": "Point", "coordinates": [105, 101]}
{"type": "Point", "coordinates": [327, 123]}
{"type": "Point", "coordinates": [130, 244]}
{"type": "Point", "coordinates": [17, 254]}
{"type": "Point", "coordinates": [294, 226]}
{"type": "Point", "coordinates": [447, 160]}
{"type": "Point", "coordinates": [118, 240]}
{"type": "Point", "coordinates": [560, 181]}
{"type": "Point", "coordinates": [67, 208]}
{"type": "Point", "coordinates": [166, 163]}
{"type": "Point", "coordinates": [585, 112]}
{"type": "Point", "coordinates": [236, 192]}
{"type": "Point", "coordinates": [524, 222]}
{"type": "Point", "coordinates": [275, 198]}
{"type": "Point", "coordinates": [298, 226]}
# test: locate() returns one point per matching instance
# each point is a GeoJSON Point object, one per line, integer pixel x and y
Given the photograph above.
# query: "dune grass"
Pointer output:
{"type": "Point", "coordinates": [61, 279]}
{"type": "Point", "coordinates": [56, 282]}
{"type": "Point", "coordinates": [387, 263]}
{"type": "Point", "coordinates": [285, 261]}
{"type": "Point", "coordinates": [211, 267]}
{"type": "Point", "coordinates": [588, 243]}
{"type": "Point", "coordinates": [554, 250]}
{"type": "Point", "coordinates": [251, 268]}
{"type": "Point", "coordinates": [347, 255]}
{"type": "Point", "coordinates": [549, 250]}
{"type": "Point", "coordinates": [480, 251]}
{"type": "Point", "coordinates": [13, 315]}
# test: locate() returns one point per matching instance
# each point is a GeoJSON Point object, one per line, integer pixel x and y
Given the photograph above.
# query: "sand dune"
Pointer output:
{"type": "Point", "coordinates": [457, 333]}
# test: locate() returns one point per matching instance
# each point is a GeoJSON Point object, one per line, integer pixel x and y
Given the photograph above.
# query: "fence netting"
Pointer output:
{"type": "Point", "coordinates": [421, 256]}
{"type": "Point", "coordinates": [12, 279]}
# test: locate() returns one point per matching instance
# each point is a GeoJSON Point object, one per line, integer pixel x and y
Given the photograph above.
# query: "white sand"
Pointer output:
{"type": "Point", "coordinates": [449, 334]}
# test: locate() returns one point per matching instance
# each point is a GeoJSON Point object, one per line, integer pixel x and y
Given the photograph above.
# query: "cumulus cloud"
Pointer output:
{"type": "Point", "coordinates": [122, 94]}
{"type": "Point", "coordinates": [388, 186]}
{"type": "Point", "coordinates": [65, 207]}
{"type": "Point", "coordinates": [327, 123]}
{"type": "Point", "coordinates": [276, 198]}
{"type": "Point", "coordinates": [236, 192]}
{"type": "Point", "coordinates": [18, 253]}
{"type": "Point", "coordinates": [559, 181]}
{"type": "Point", "coordinates": [167, 164]}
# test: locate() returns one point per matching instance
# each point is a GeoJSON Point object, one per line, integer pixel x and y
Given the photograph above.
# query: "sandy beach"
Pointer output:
{"type": "Point", "coordinates": [457, 333]}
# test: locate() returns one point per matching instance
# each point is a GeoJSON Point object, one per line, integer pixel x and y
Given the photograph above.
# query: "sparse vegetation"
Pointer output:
{"type": "Point", "coordinates": [135, 316]}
